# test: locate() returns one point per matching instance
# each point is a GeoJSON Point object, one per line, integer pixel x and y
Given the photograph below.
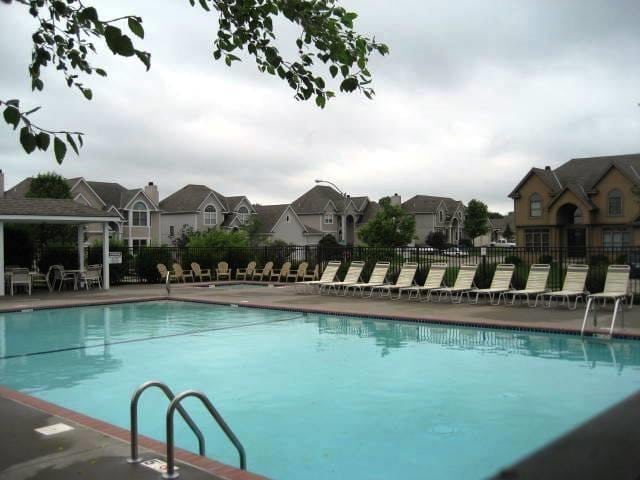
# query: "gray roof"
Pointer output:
{"type": "Point", "coordinates": [369, 212]}
{"type": "Point", "coordinates": [189, 198]}
{"type": "Point", "coordinates": [313, 201]}
{"type": "Point", "coordinates": [429, 204]}
{"type": "Point", "coordinates": [501, 223]}
{"type": "Point", "coordinates": [268, 215]}
{"type": "Point", "coordinates": [52, 207]}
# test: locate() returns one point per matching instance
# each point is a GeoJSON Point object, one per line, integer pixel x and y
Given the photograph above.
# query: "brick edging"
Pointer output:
{"type": "Point", "coordinates": [221, 470]}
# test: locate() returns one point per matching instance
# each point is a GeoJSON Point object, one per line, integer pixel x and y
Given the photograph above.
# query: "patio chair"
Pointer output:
{"type": "Point", "coordinates": [574, 286]}
{"type": "Point", "coordinates": [39, 279]}
{"type": "Point", "coordinates": [377, 278]}
{"type": "Point", "coordinates": [434, 280]}
{"type": "Point", "coordinates": [222, 271]}
{"type": "Point", "coordinates": [328, 276]}
{"type": "Point", "coordinates": [246, 273]}
{"type": "Point", "coordinates": [501, 283]}
{"type": "Point", "coordinates": [536, 285]}
{"type": "Point", "coordinates": [616, 288]}
{"type": "Point", "coordinates": [405, 279]}
{"type": "Point", "coordinates": [182, 274]}
{"type": "Point", "coordinates": [92, 276]}
{"type": "Point", "coordinates": [163, 270]}
{"type": "Point", "coordinates": [299, 272]}
{"type": "Point", "coordinates": [199, 272]}
{"type": "Point", "coordinates": [264, 273]}
{"type": "Point", "coordinates": [353, 276]}
{"type": "Point", "coordinates": [462, 286]}
{"type": "Point", "coordinates": [19, 277]}
{"type": "Point", "coordinates": [59, 275]}
{"type": "Point", "coordinates": [313, 275]}
{"type": "Point", "coordinates": [277, 273]}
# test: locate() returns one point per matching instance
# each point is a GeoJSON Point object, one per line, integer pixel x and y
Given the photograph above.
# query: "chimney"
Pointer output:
{"type": "Point", "coordinates": [396, 201]}
{"type": "Point", "coordinates": [151, 191]}
{"type": "Point", "coordinates": [547, 168]}
{"type": "Point", "coordinates": [1, 184]}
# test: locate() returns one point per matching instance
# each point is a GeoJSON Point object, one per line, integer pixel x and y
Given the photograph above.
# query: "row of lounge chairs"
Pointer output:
{"type": "Point", "coordinates": [283, 274]}
{"type": "Point", "coordinates": [500, 290]}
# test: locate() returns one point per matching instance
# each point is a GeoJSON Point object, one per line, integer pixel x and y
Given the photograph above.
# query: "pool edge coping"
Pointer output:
{"type": "Point", "coordinates": [206, 464]}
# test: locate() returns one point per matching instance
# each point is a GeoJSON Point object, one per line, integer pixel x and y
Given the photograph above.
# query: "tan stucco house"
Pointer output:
{"type": "Point", "coordinates": [586, 202]}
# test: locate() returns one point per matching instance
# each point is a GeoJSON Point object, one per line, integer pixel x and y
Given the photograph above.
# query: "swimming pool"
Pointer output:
{"type": "Point", "coordinates": [317, 396]}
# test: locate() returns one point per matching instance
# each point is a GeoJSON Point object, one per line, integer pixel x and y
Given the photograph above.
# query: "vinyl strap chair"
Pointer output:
{"type": "Point", "coordinates": [462, 286]}
{"type": "Point", "coordinates": [574, 287]}
{"type": "Point", "coordinates": [434, 280]}
{"type": "Point", "coordinates": [536, 285]}
{"type": "Point", "coordinates": [328, 276]}
{"type": "Point", "coordinates": [353, 276]}
{"type": "Point", "coordinates": [405, 279]}
{"type": "Point", "coordinates": [377, 278]}
{"type": "Point", "coordinates": [616, 289]}
{"type": "Point", "coordinates": [501, 283]}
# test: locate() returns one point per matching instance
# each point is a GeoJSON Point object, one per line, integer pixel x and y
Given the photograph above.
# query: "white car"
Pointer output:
{"type": "Point", "coordinates": [455, 252]}
{"type": "Point", "coordinates": [410, 253]}
{"type": "Point", "coordinates": [502, 243]}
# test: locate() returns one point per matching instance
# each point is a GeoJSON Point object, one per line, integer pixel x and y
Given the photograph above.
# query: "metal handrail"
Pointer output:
{"type": "Point", "coordinates": [134, 418]}
{"type": "Point", "coordinates": [175, 405]}
{"type": "Point", "coordinates": [168, 283]}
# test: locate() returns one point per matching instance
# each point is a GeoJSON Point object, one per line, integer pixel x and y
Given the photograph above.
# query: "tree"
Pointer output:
{"type": "Point", "coordinates": [328, 241]}
{"type": "Point", "coordinates": [391, 227]}
{"type": "Point", "coordinates": [495, 215]}
{"type": "Point", "coordinates": [507, 233]}
{"type": "Point", "coordinates": [50, 185]}
{"type": "Point", "coordinates": [476, 221]}
{"type": "Point", "coordinates": [437, 240]}
{"type": "Point", "coordinates": [182, 238]}
{"type": "Point", "coordinates": [215, 238]}
{"type": "Point", "coordinates": [253, 230]}
{"type": "Point", "coordinates": [67, 29]}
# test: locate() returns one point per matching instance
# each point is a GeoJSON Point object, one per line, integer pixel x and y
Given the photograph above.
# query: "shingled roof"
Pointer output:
{"type": "Point", "coordinates": [48, 207]}
{"type": "Point", "coordinates": [429, 204]}
{"type": "Point", "coordinates": [268, 216]}
{"type": "Point", "coordinates": [315, 200]}
{"type": "Point", "coordinates": [189, 198]}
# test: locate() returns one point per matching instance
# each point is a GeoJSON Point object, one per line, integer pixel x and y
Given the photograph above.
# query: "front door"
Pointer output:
{"type": "Point", "coordinates": [576, 242]}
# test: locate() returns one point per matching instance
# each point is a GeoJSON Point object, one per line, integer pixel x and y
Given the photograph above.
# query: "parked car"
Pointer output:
{"type": "Point", "coordinates": [455, 252]}
{"type": "Point", "coordinates": [502, 243]}
{"type": "Point", "coordinates": [409, 254]}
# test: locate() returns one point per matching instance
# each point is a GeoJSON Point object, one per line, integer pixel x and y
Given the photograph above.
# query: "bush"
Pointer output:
{"type": "Point", "coordinates": [465, 243]}
{"type": "Point", "coordinates": [547, 259]}
{"type": "Point", "coordinates": [146, 262]}
{"type": "Point", "coordinates": [437, 240]}
{"type": "Point", "coordinates": [484, 275]}
{"type": "Point", "coordinates": [514, 259]}
{"type": "Point", "coordinates": [597, 260]}
{"type": "Point", "coordinates": [117, 271]}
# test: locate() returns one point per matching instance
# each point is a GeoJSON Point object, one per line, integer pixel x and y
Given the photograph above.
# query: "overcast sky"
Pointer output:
{"type": "Point", "coordinates": [472, 95]}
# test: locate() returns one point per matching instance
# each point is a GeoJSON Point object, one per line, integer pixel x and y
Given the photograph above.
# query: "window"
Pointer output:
{"type": "Point", "coordinates": [172, 231]}
{"type": "Point", "coordinates": [328, 218]}
{"type": "Point", "coordinates": [243, 215]}
{"type": "Point", "coordinates": [139, 243]}
{"type": "Point", "coordinates": [210, 215]}
{"type": "Point", "coordinates": [616, 237]}
{"type": "Point", "coordinates": [535, 205]}
{"type": "Point", "coordinates": [537, 238]}
{"type": "Point", "coordinates": [140, 215]}
{"type": "Point", "coordinates": [441, 215]}
{"type": "Point", "coordinates": [614, 202]}
{"type": "Point", "coordinates": [288, 219]}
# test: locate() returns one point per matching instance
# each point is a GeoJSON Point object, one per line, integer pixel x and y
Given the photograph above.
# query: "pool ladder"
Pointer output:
{"type": "Point", "coordinates": [174, 405]}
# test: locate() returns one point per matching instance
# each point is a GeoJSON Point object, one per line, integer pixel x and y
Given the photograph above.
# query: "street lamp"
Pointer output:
{"type": "Point", "coordinates": [333, 185]}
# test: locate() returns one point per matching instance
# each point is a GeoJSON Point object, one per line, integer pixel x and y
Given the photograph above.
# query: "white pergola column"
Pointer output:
{"type": "Point", "coordinates": [344, 228]}
{"type": "Point", "coordinates": [1, 259]}
{"type": "Point", "coordinates": [105, 256]}
{"type": "Point", "coordinates": [81, 247]}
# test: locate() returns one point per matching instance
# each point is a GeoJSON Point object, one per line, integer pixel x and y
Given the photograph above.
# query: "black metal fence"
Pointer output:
{"type": "Point", "coordinates": [139, 265]}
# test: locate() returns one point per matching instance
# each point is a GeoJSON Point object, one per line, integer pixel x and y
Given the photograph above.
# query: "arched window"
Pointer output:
{"type": "Point", "coordinates": [535, 205]}
{"type": "Point", "coordinates": [140, 215]}
{"type": "Point", "coordinates": [210, 215]}
{"type": "Point", "coordinates": [577, 217]}
{"type": "Point", "coordinates": [243, 215]}
{"type": "Point", "coordinates": [614, 201]}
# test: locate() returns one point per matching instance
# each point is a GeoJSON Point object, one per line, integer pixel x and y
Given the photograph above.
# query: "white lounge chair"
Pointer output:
{"type": "Point", "coordinates": [501, 283]}
{"type": "Point", "coordinates": [328, 276]}
{"type": "Point", "coordinates": [353, 276]}
{"type": "Point", "coordinates": [405, 279]}
{"type": "Point", "coordinates": [377, 278]}
{"type": "Point", "coordinates": [574, 286]}
{"type": "Point", "coordinates": [616, 288]}
{"type": "Point", "coordinates": [536, 285]}
{"type": "Point", "coordinates": [462, 286]}
{"type": "Point", "coordinates": [434, 280]}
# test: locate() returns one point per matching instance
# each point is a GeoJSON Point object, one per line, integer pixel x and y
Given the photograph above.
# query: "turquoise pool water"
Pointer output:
{"type": "Point", "coordinates": [316, 397]}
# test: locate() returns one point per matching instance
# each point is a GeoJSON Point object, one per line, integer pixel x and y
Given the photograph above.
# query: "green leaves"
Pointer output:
{"type": "Point", "coordinates": [42, 140]}
{"type": "Point", "coordinates": [135, 25]}
{"type": "Point", "coordinates": [12, 116]}
{"type": "Point", "coordinates": [118, 43]}
{"type": "Point", "coordinates": [60, 149]}
{"type": "Point", "coordinates": [27, 139]}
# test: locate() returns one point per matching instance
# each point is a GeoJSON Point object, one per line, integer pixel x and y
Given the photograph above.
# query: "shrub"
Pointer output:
{"type": "Point", "coordinates": [548, 259]}
{"type": "Point", "coordinates": [437, 240]}
{"type": "Point", "coordinates": [465, 243]}
{"type": "Point", "coordinates": [146, 262]}
{"type": "Point", "coordinates": [597, 260]}
{"type": "Point", "coordinates": [484, 275]}
{"type": "Point", "coordinates": [514, 259]}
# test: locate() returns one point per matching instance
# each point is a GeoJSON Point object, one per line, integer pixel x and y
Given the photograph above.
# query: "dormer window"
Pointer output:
{"type": "Point", "coordinates": [614, 202]}
{"type": "Point", "coordinates": [535, 205]}
{"type": "Point", "coordinates": [441, 216]}
{"type": "Point", "coordinates": [140, 215]}
{"type": "Point", "coordinates": [243, 215]}
{"type": "Point", "coordinates": [328, 218]}
{"type": "Point", "coordinates": [210, 215]}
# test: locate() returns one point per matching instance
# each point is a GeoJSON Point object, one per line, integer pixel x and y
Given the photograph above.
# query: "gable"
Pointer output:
{"type": "Point", "coordinates": [212, 199]}
{"type": "Point", "coordinates": [89, 195]}
{"type": "Point", "coordinates": [293, 220]}
{"type": "Point", "coordinates": [140, 196]}
{"type": "Point", "coordinates": [244, 202]}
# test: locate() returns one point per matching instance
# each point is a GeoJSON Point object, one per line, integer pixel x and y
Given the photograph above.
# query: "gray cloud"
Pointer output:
{"type": "Point", "coordinates": [472, 95]}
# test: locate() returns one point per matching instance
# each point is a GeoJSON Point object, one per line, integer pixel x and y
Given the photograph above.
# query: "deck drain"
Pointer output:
{"type": "Point", "coordinates": [54, 429]}
{"type": "Point", "coordinates": [157, 465]}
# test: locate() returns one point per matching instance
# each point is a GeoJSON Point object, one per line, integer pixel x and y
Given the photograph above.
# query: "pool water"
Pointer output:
{"type": "Point", "coordinates": [316, 396]}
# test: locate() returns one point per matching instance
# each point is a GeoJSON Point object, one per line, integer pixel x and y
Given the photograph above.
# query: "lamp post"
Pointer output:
{"type": "Point", "coordinates": [344, 216]}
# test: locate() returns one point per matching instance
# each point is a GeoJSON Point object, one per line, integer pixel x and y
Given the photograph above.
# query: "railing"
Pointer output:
{"type": "Point", "coordinates": [135, 458]}
{"type": "Point", "coordinates": [175, 405]}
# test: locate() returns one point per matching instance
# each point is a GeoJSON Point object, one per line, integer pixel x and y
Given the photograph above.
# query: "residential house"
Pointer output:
{"type": "Point", "coordinates": [200, 208]}
{"type": "Point", "coordinates": [497, 227]}
{"type": "Point", "coordinates": [280, 222]}
{"type": "Point", "coordinates": [435, 214]}
{"type": "Point", "coordinates": [324, 209]}
{"type": "Point", "coordinates": [137, 208]}
{"type": "Point", "coordinates": [585, 202]}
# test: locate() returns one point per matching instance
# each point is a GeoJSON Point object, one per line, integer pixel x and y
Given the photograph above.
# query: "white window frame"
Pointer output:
{"type": "Point", "coordinates": [208, 219]}
{"type": "Point", "coordinates": [615, 193]}
{"type": "Point", "coordinates": [138, 211]}
{"type": "Point", "coordinates": [243, 215]}
{"type": "Point", "coordinates": [535, 197]}
{"type": "Point", "coordinates": [328, 218]}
